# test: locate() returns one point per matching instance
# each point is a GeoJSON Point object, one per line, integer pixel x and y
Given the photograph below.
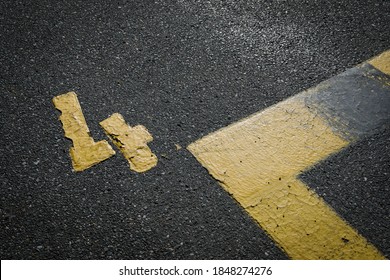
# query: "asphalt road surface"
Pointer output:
{"type": "Point", "coordinates": [182, 69]}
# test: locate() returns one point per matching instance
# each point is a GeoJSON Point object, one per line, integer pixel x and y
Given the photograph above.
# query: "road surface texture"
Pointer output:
{"type": "Point", "coordinates": [182, 69]}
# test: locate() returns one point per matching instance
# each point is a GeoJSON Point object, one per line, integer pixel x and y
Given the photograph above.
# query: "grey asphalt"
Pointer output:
{"type": "Point", "coordinates": [182, 69]}
{"type": "Point", "coordinates": [354, 103]}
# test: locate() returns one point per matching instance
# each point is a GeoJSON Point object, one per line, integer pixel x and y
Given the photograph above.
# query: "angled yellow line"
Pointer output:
{"type": "Point", "coordinates": [85, 151]}
{"type": "Point", "coordinates": [132, 142]}
{"type": "Point", "coordinates": [257, 161]}
{"type": "Point", "coordinates": [382, 62]}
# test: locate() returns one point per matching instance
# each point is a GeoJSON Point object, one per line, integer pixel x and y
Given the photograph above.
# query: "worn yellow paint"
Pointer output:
{"type": "Point", "coordinates": [258, 161]}
{"type": "Point", "coordinates": [382, 62]}
{"type": "Point", "coordinates": [178, 147]}
{"type": "Point", "coordinates": [132, 142]}
{"type": "Point", "coordinates": [85, 151]}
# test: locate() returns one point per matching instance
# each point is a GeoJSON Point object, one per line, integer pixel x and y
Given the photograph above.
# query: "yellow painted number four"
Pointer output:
{"type": "Point", "coordinates": [131, 141]}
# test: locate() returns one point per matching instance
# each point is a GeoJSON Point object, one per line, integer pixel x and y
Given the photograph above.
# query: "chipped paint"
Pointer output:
{"type": "Point", "coordinates": [85, 151]}
{"type": "Point", "coordinates": [178, 147]}
{"type": "Point", "coordinates": [259, 159]}
{"type": "Point", "coordinates": [131, 141]}
{"type": "Point", "coordinates": [382, 62]}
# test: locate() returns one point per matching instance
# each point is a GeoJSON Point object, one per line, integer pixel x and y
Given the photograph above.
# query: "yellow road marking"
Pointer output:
{"type": "Point", "coordinates": [132, 142]}
{"type": "Point", "coordinates": [258, 161]}
{"type": "Point", "coordinates": [178, 147]}
{"type": "Point", "coordinates": [85, 151]}
{"type": "Point", "coordinates": [382, 62]}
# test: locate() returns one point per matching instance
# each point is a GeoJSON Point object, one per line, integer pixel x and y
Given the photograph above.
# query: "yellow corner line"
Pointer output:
{"type": "Point", "coordinates": [85, 151]}
{"type": "Point", "coordinates": [258, 160]}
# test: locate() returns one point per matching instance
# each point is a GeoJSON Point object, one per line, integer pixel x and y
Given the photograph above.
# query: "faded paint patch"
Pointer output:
{"type": "Point", "coordinates": [131, 141]}
{"type": "Point", "coordinates": [85, 151]}
{"type": "Point", "coordinates": [258, 160]}
{"type": "Point", "coordinates": [382, 62]}
{"type": "Point", "coordinates": [354, 103]}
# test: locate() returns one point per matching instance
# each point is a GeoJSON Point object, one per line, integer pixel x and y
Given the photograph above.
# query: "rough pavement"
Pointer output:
{"type": "Point", "coordinates": [182, 69]}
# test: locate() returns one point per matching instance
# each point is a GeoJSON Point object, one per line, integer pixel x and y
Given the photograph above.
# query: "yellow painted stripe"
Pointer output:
{"type": "Point", "coordinates": [382, 62]}
{"type": "Point", "coordinates": [132, 142]}
{"type": "Point", "coordinates": [257, 161]}
{"type": "Point", "coordinates": [85, 151]}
